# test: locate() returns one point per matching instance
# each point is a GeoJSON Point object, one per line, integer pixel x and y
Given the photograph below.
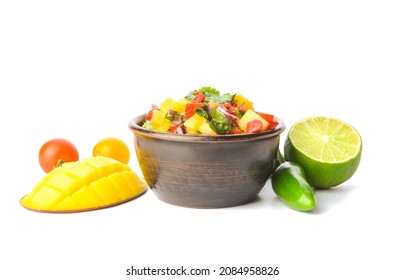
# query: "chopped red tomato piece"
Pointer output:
{"type": "Point", "coordinates": [199, 98]}
{"type": "Point", "coordinates": [269, 118]}
{"type": "Point", "coordinates": [173, 128]}
{"type": "Point", "coordinates": [149, 115]}
{"type": "Point", "coordinates": [190, 109]}
{"type": "Point", "coordinates": [238, 131]}
{"type": "Point", "coordinates": [254, 126]}
{"type": "Point", "coordinates": [272, 125]}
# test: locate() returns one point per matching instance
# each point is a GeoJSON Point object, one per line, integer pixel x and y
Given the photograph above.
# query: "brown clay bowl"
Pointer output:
{"type": "Point", "coordinates": [205, 171]}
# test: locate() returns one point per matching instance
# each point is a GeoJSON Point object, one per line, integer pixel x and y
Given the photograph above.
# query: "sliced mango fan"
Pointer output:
{"type": "Point", "coordinates": [90, 184]}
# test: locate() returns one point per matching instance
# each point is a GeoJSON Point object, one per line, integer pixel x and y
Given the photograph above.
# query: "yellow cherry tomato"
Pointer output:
{"type": "Point", "coordinates": [113, 148]}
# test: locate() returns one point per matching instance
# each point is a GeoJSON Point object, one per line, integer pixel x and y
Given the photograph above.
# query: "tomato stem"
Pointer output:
{"type": "Point", "coordinates": [60, 163]}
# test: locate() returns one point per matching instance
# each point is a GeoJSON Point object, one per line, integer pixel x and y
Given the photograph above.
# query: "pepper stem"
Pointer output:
{"type": "Point", "coordinates": [279, 159]}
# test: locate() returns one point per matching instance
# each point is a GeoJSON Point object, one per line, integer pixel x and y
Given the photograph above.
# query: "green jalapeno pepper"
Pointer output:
{"type": "Point", "coordinates": [290, 185]}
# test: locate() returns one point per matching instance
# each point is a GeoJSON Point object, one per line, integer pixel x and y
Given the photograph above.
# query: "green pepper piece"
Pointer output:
{"type": "Point", "coordinates": [219, 123]}
{"type": "Point", "coordinates": [290, 185]}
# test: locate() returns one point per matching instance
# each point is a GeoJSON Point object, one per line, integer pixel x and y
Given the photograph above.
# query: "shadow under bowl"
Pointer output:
{"type": "Point", "coordinates": [205, 171]}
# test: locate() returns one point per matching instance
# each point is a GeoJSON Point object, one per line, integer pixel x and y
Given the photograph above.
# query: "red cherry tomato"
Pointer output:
{"type": "Point", "coordinates": [56, 151]}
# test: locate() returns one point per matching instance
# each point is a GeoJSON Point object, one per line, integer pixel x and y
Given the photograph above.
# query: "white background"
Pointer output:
{"type": "Point", "coordinates": [81, 69]}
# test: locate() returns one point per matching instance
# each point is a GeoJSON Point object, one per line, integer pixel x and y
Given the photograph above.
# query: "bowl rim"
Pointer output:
{"type": "Point", "coordinates": [136, 128]}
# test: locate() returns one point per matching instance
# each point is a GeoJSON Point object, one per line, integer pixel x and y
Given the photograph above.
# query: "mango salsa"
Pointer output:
{"type": "Point", "coordinates": [208, 112]}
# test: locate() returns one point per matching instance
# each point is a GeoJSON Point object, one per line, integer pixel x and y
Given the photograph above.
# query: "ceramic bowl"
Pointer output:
{"type": "Point", "coordinates": [205, 171]}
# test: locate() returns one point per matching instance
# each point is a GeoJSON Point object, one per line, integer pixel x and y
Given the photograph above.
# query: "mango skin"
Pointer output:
{"type": "Point", "coordinates": [89, 184]}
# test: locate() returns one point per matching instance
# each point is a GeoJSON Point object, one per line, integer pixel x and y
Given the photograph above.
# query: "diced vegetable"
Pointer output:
{"type": "Point", "coordinates": [190, 109]}
{"type": "Point", "coordinates": [179, 105]}
{"type": "Point", "coordinates": [159, 121]}
{"type": "Point", "coordinates": [250, 115]}
{"type": "Point", "coordinates": [149, 115]}
{"type": "Point", "coordinates": [241, 100]}
{"type": "Point", "coordinates": [199, 97]}
{"type": "Point", "coordinates": [205, 129]}
{"type": "Point", "coordinates": [219, 122]}
{"type": "Point", "coordinates": [194, 123]}
{"type": "Point", "coordinates": [167, 105]}
{"type": "Point", "coordinates": [254, 126]}
{"type": "Point", "coordinates": [270, 119]}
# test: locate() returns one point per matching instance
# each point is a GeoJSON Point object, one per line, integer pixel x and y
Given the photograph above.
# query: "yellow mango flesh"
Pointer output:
{"type": "Point", "coordinates": [90, 184]}
{"type": "Point", "coordinates": [205, 129]}
{"type": "Point", "coordinates": [179, 105]}
{"type": "Point", "coordinates": [194, 122]}
{"type": "Point", "coordinates": [167, 105]}
{"type": "Point", "coordinates": [240, 99]}
{"type": "Point", "coordinates": [159, 121]}
{"type": "Point", "coordinates": [249, 116]}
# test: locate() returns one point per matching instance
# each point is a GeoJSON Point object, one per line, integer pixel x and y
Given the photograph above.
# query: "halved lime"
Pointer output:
{"type": "Point", "coordinates": [328, 149]}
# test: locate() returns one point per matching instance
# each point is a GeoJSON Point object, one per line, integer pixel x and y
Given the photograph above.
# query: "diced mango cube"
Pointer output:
{"type": "Point", "coordinates": [179, 105]}
{"type": "Point", "coordinates": [159, 121]}
{"type": "Point", "coordinates": [191, 132]}
{"type": "Point", "coordinates": [206, 129]}
{"type": "Point", "coordinates": [194, 123]}
{"type": "Point", "coordinates": [240, 99]}
{"type": "Point", "coordinates": [158, 118]}
{"type": "Point", "coordinates": [249, 116]}
{"type": "Point", "coordinates": [164, 127]}
{"type": "Point", "coordinates": [167, 105]}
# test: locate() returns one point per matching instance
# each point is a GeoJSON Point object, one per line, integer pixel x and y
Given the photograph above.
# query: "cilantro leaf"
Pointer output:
{"type": "Point", "coordinates": [209, 91]}
{"type": "Point", "coordinates": [201, 112]}
{"type": "Point", "coordinates": [191, 95]}
{"type": "Point", "coordinates": [219, 99]}
{"type": "Point", "coordinates": [212, 94]}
